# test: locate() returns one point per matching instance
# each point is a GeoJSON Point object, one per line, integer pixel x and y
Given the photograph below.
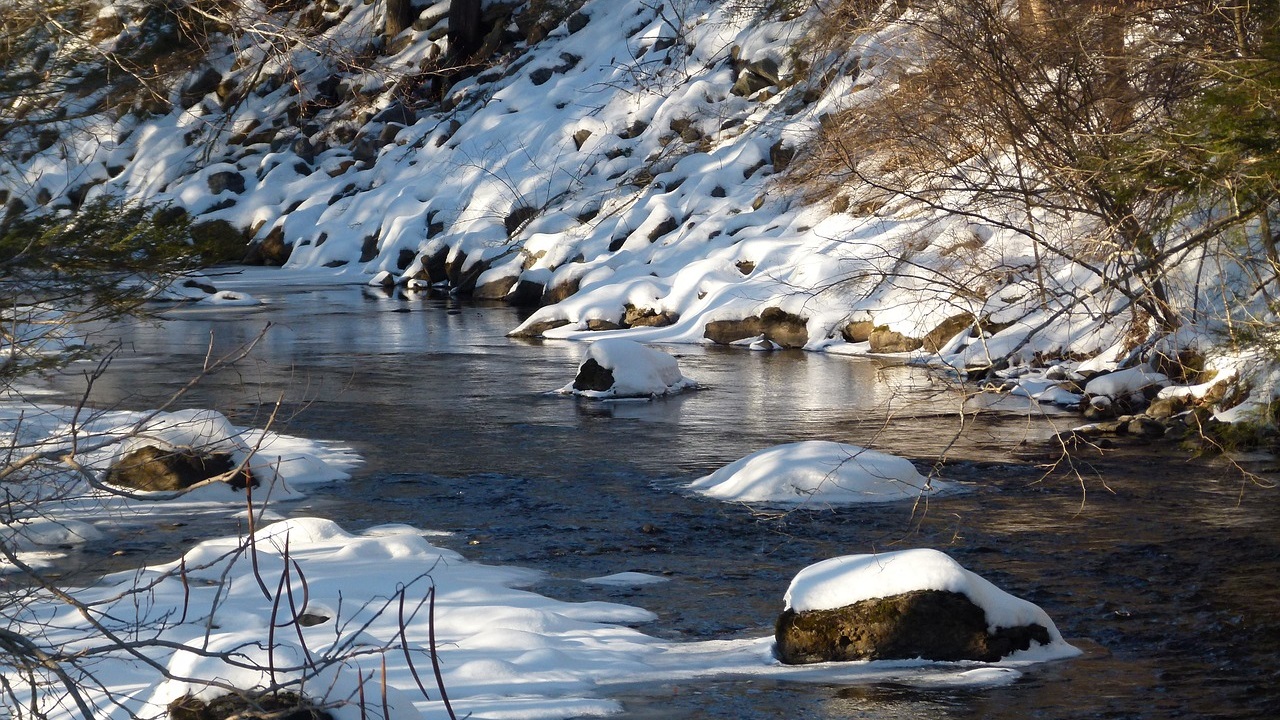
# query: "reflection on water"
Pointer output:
{"type": "Point", "coordinates": [1170, 567]}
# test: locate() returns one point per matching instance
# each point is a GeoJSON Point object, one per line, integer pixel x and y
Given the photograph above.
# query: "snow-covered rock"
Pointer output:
{"type": "Point", "coordinates": [617, 368]}
{"type": "Point", "coordinates": [818, 471]}
{"type": "Point", "coordinates": [907, 604]}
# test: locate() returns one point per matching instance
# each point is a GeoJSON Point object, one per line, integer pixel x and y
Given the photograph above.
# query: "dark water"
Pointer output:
{"type": "Point", "coordinates": [1165, 569]}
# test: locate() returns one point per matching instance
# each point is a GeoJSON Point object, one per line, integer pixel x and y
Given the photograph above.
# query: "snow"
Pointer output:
{"type": "Point", "coordinates": [1126, 382]}
{"type": "Point", "coordinates": [626, 579]}
{"type": "Point", "coordinates": [846, 580]}
{"type": "Point", "coordinates": [504, 651]}
{"type": "Point", "coordinates": [71, 510]}
{"type": "Point", "coordinates": [638, 371]}
{"type": "Point", "coordinates": [818, 471]}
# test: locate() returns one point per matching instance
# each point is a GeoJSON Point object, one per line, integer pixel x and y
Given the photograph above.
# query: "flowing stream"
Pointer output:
{"type": "Point", "coordinates": [1166, 571]}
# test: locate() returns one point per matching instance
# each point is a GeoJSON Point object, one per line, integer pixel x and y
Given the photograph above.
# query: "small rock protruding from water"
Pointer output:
{"type": "Point", "coordinates": [617, 368]}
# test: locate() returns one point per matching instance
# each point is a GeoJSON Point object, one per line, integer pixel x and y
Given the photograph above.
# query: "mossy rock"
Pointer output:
{"type": "Point", "coordinates": [930, 624]}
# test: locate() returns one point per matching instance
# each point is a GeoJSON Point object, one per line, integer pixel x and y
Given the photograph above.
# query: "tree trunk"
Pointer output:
{"type": "Point", "coordinates": [398, 18]}
{"type": "Point", "coordinates": [464, 29]}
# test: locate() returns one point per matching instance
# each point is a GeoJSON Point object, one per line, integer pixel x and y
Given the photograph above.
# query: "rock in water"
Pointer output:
{"type": "Point", "coordinates": [592, 376]}
{"type": "Point", "coordinates": [905, 605]}
{"type": "Point", "coordinates": [617, 368]}
{"type": "Point", "coordinates": [928, 624]}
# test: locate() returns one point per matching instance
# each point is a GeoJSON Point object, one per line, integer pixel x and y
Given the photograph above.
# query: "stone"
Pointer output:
{"type": "Point", "coordinates": [600, 325]}
{"type": "Point", "coordinates": [935, 339]}
{"type": "Point", "coordinates": [884, 340]}
{"type": "Point", "coordinates": [755, 77]}
{"type": "Point", "coordinates": [577, 21]}
{"type": "Point", "coordinates": [526, 293]}
{"type": "Point", "coordinates": [153, 468]}
{"type": "Point", "coordinates": [224, 181]}
{"type": "Point", "coordinates": [559, 291]}
{"type": "Point", "coordinates": [271, 250]}
{"type": "Point", "coordinates": [780, 156]}
{"type": "Point", "coordinates": [1165, 408]}
{"type": "Point", "coordinates": [783, 328]}
{"type": "Point", "coordinates": [495, 289]}
{"type": "Point", "coordinates": [198, 84]}
{"type": "Point", "coordinates": [857, 331]}
{"type": "Point", "coordinates": [725, 332]}
{"type": "Point", "coordinates": [592, 376]}
{"type": "Point", "coordinates": [535, 330]}
{"type": "Point", "coordinates": [934, 625]}
{"type": "Point", "coordinates": [645, 317]}
{"type": "Point", "coordinates": [1145, 427]}
{"type": "Point", "coordinates": [397, 112]}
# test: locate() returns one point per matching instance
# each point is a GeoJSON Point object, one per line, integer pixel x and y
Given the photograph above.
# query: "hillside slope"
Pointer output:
{"type": "Point", "coordinates": [623, 166]}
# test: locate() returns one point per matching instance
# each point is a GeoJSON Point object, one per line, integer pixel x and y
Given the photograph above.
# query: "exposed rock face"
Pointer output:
{"type": "Point", "coordinates": [153, 468]}
{"type": "Point", "coordinates": [783, 328]}
{"type": "Point", "coordinates": [536, 329]}
{"type": "Point", "coordinates": [646, 317]}
{"type": "Point", "coordinates": [526, 293]}
{"type": "Point", "coordinates": [271, 250]}
{"type": "Point", "coordinates": [494, 289]}
{"type": "Point", "coordinates": [725, 332]}
{"type": "Point", "coordinates": [929, 624]}
{"type": "Point", "coordinates": [857, 331]}
{"type": "Point", "coordinates": [592, 376]}
{"type": "Point", "coordinates": [884, 340]}
{"type": "Point", "coordinates": [936, 338]}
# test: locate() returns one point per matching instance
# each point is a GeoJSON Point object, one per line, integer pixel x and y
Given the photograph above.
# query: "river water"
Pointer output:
{"type": "Point", "coordinates": [1165, 570]}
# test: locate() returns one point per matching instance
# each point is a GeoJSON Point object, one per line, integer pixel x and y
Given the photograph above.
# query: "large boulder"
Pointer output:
{"type": "Point", "coordinates": [151, 467]}
{"type": "Point", "coordinates": [906, 605]}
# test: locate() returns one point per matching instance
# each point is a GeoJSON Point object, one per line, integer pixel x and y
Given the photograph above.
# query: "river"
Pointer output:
{"type": "Point", "coordinates": [1165, 570]}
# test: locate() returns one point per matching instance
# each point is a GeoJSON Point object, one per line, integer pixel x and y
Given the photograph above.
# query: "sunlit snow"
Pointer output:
{"type": "Point", "coordinates": [818, 471]}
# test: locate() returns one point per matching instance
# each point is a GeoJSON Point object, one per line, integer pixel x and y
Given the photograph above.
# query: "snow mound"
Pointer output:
{"type": "Point", "coordinates": [635, 371]}
{"type": "Point", "coordinates": [818, 470]}
{"type": "Point", "coordinates": [626, 579]}
{"type": "Point", "coordinates": [846, 580]}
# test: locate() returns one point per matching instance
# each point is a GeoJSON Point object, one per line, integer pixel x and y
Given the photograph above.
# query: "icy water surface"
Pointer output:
{"type": "Point", "coordinates": [1167, 572]}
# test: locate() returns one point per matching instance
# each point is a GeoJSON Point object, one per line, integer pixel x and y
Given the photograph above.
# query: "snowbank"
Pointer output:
{"type": "Point", "coordinates": [57, 506]}
{"type": "Point", "coordinates": [818, 471]}
{"type": "Point", "coordinates": [227, 611]}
